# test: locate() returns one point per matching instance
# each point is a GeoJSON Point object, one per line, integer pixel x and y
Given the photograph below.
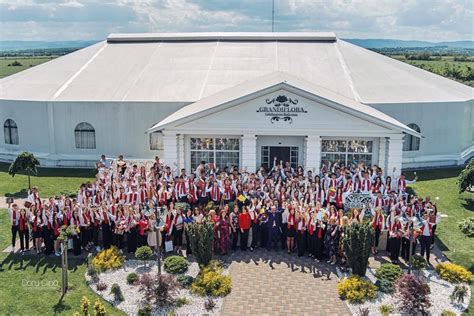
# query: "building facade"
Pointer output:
{"type": "Point", "coordinates": [235, 98]}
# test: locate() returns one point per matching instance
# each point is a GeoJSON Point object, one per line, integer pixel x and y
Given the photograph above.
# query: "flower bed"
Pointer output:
{"type": "Point", "coordinates": [439, 296]}
{"type": "Point", "coordinates": [133, 298]}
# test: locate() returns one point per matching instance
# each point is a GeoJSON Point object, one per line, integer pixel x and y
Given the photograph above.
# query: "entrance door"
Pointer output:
{"type": "Point", "coordinates": [281, 153]}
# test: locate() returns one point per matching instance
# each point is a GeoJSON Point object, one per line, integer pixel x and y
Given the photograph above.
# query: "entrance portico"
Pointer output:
{"type": "Point", "coordinates": [284, 117]}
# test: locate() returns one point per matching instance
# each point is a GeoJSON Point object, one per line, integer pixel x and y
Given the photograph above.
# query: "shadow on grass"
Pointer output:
{"type": "Point", "coordinates": [40, 264]}
{"type": "Point", "coordinates": [23, 193]}
{"type": "Point", "coordinates": [433, 174]}
{"type": "Point", "coordinates": [57, 172]}
{"type": "Point", "coordinates": [468, 204]}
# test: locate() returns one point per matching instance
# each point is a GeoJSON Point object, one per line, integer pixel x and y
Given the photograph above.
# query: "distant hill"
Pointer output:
{"type": "Point", "coordinates": [29, 45]}
{"type": "Point", "coordinates": [393, 43]}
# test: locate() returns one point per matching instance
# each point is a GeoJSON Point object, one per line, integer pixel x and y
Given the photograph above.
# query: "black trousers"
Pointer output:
{"type": "Point", "coordinates": [425, 243]}
{"type": "Point", "coordinates": [301, 242]}
{"type": "Point", "coordinates": [263, 232]}
{"type": "Point", "coordinates": [188, 243]}
{"type": "Point", "coordinates": [118, 241]}
{"type": "Point", "coordinates": [106, 236]}
{"type": "Point", "coordinates": [284, 228]}
{"type": "Point", "coordinates": [132, 240]}
{"type": "Point", "coordinates": [433, 228]}
{"type": "Point", "coordinates": [24, 239]}
{"type": "Point", "coordinates": [244, 238]}
{"type": "Point", "coordinates": [14, 232]}
{"type": "Point", "coordinates": [48, 241]}
{"type": "Point", "coordinates": [377, 237]}
{"type": "Point", "coordinates": [255, 232]}
{"type": "Point", "coordinates": [394, 248]}
{"type": "Point", "coordinates": [235, 239]}
{"type": "Point", "coordinates": [312, 244]}
{"type": "Point", "coordinates": [319, 247]}
{"type": "Point", "coordinates": [406, 248]}
{"type": "Point", "coordinates": [85, 236]}
{"type": "Point", "coordinates": [76, 244]}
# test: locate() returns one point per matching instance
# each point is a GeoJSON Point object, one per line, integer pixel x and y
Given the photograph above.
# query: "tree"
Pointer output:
{"type": "Point", "coordinates": [25, 162]}
{"type": "Point", "coordinates": [201, 237]}
{"type": "Point", "coordinates": [144, 253]}
{"type": "Point", "coordinates": [466, 177]}
{"type": "Point", "coordinates": [357, 242]}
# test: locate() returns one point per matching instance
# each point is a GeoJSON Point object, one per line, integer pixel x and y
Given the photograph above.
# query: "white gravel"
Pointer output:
{"type": "Point", "coordinates": [132, 297]}
{"type": "Point", "coordinates": [439, 297]}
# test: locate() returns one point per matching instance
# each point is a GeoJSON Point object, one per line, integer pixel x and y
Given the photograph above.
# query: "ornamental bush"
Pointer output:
{"type": "Point", "coordinates": [117, 292]}
{"type": "Point", "coordinates": [211, 281]}
{"type": "Point", "coordinates": [412, 294]}
{"type": "Point", "coordinates": [385, 310]}
{"type": "Point", "coordinates": [144, 253]}
{"type": "Point", "coordinates": [99, 308]}
{"type": "Point", "coordinates": [175, 264]}
{"type": "Point", "coordinates": [185, 281]}
{"type": "Point", "coordinates": [357, 242]}
{"type": "Point", "coordinates": [466, 177]}
{"type": "Point", "coordinates": [453, 273]}
{"type": "Point", "coordinates": [132, 278]}
{"type": "Point", "coordinates": [386, 275]}
{"type": "Point", "coordinates": [356, 290]}
{"type": "Point", "coordinates": [467, 226]}
{"type": "Point", "coordinates": [459, 293]}
{"type": "Point", "coordinates": [108, 259]}
{"type": "Point", "coordinates": [85, 306]}
{"type": "Point", "coordinates": [418, 262]}
{"type": "Point", "coordinates": [201, 236]}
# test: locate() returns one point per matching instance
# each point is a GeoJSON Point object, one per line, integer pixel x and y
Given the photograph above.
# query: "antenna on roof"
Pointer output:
{"type": "Point", "coordinates": [273, 14]}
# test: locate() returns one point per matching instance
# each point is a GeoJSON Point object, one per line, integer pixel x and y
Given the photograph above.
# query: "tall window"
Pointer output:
{"type": "Point", "coordinates": [85, 136]}
{"type": "Point", "coordinates": [156, 141]}
{"type": "Point", "coordinates": [346, 152]}
{"type": "Point", "coordinates": [410, 142]}
{"type": "Point", "coordinates": [223, 152]}
{"type": "Point", "coordinates": [10, 130]}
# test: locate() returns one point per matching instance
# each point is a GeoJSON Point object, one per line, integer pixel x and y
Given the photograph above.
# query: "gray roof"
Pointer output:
{"type": "Point", "coordinates": [187, 67]}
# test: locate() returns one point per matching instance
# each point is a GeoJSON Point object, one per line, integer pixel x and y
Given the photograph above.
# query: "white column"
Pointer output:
{"type": "Point", "coordinates": [249, 152]}
{"type": "Point", "coordinates": [383, 153]}
{"type": "Point", "coordinates": [313, 153]}
{"type": "Point", "coordinates": [181, 152]}
{"type": "Point", "coordinates": [170, 149]}
{"type": "Point", "coordinates": [394, 158]}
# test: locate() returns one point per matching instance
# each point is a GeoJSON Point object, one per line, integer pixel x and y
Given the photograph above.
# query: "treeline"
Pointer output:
{"type": "Point", "coordinates": [453, 71]}
{"type": "Point", "coordinates": [48, 52]}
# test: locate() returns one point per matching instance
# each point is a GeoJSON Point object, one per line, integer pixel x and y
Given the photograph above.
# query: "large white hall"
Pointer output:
{"type": "Point", "coordinates": [235, 99]}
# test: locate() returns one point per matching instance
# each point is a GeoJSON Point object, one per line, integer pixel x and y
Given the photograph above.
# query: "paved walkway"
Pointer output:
{"type": "Point", "coordinates": [275, 283]}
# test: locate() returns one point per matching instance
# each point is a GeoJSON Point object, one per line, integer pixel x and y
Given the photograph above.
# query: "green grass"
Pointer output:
{"type": "Point", "coordinates": [455, 245]}
{"type": "Point", "coordinates": [49, 181]}
{"type": "Point", "coordinates": [5, 232]}
{"type": "Point", "coordinates": [30, 285]}
{"type": "Point", "coordinates": [26, 62]}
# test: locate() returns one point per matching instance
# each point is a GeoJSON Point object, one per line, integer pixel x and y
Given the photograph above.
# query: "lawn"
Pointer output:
{"type": "Point", "coordinates": [456, 246]}
{"type": "Point", "coordinates": [50, 181]}
{"type": "Point", "coordinates": [26, 62]}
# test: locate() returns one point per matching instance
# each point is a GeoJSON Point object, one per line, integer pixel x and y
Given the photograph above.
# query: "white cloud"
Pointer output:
{"type": "Point", "coordinates": [435, 20]}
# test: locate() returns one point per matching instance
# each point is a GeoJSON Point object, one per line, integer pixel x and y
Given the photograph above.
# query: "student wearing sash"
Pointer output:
{"type": "Point", "coordinates": [76, 238]}
{"type": "Point", "coordinates": [377, 224]}
{"type": "Point", "coordinates": [291, 229]}
{"type": "Point", "coordinates": [14, 213]}
{"type": "Point", "coordinates": [177, 229]}
{"type": "Point", "coordinates": [24, 231]}
{"type": "Point", "coordinates": [426, 235]}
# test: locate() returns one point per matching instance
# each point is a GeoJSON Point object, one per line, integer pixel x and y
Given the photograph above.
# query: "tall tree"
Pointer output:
{"type": "Point", "coordinates": [25, 162]}
{"type": "Point", "coordinates": [466, 177]}
{"type": "Point", "coordinates": [357, 241]}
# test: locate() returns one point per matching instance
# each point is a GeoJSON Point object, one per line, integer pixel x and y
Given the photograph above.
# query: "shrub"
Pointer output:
{"type": "Point", "coordinates": [201, 237]}
{"type": "Point", "coordinates": [385, 309]}
{"type": "Point", "coordinates": [356, 290]}
{"type": "Point", "coordinates": [363, 311]}
{"type": "Point", "coordinates": [147, 286]}
{"type": "Point", "coordinates": [117, 292]}
{"type": "Point", "coordinates": [386, 275]}
{"type": "Point", "coordinates": [210, 281]}
{"type": "Point", "coordinates": [101, 286]}
{"type": "Point", "coordinates": [412, 294]}
{"type": "Point", "coordinates": [181, 301]}
{"type": "Point", "coordinates": [209, 304]}
{"type": "Point", "coordinates": [166, 289]}
{"type": "Point", "coordinates": [99, 308]}
{"type": "Point", "coordinates": [357, 242]}
{"type": "Point", "coordinates": [458, 295]}
{"type": "Point", "coordinates": [132, 278]}
{"type": "Point", "coordinates": [92, 272]}
{"type": "Point", "coordinates": [466, 177]}
{"type": "Point", "coordinates": [448, 313]}
{"type": "Point", "coordinates": [108, 259]}
{"type": "Point", "coordinates": [453, 273]}
{"type": "Point", "coordinates": [145, 311]}
{"type": "Point", "coordinates": [144, 253]}
{"type": "Point", "coordinates": [185, 281]}
{"type": "Point", "coordinates": [175, 264]}
{"type": "Point", "coordinates": [467, 226]}
{"type": "Point", "coordinates": [418, 263]}
{"type": "Point", "coordinates": [85, 306]}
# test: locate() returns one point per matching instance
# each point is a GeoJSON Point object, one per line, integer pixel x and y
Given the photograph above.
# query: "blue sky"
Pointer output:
{"type": "Point", "coordinates": [51, 20]}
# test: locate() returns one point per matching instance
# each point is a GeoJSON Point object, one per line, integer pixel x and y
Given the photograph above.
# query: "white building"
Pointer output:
{"type": "Point", "coordinates": [239, 98]}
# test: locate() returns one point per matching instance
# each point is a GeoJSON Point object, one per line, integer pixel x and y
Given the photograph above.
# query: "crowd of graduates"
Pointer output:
{"type": "Point", "coordinates": [131, 204]}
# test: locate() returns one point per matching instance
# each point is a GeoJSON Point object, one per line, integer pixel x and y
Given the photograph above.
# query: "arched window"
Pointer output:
{"type": "Point", "coordinates": [10, 129]}
{"type": "Point", "coordinates": [85, 136]}
{"type": "Point", "coordinates": [412, 143]}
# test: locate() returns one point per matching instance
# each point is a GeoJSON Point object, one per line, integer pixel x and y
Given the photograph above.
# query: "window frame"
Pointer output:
{"type": "Point", "coordinates": [82, 132]}
{"type": "Point", "coordinates": [346, 153]}
{"type": "Point", "coordinates": [410, 142]}
{"type": "Point", "coordinates": [10, 132]}
{"type": "Point", "coordinates": [213, 151]}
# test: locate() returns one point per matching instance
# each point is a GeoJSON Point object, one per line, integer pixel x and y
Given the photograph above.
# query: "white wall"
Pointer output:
{"type": "Point", "coordinates": [447, 129]}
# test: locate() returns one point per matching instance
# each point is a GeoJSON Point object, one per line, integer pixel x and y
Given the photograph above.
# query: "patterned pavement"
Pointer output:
{"type": "Point", "coordinates": [276, 283]}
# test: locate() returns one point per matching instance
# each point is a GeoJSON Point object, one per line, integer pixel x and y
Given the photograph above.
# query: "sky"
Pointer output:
{"type": "Point", "coordinates": [58, 20]}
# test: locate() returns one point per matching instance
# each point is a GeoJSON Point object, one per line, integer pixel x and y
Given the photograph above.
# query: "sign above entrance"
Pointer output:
{"type": "Point", "coordinates": [281, 109]}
